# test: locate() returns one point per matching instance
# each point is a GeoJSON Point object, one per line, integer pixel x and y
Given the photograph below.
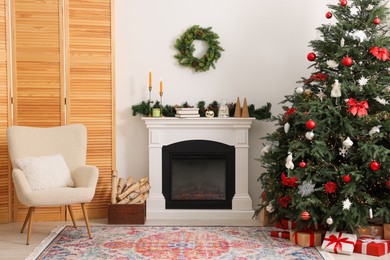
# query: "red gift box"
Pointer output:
{"type": "Point", "coordinates": [369, 246]}
{"type": "Point", "coordinates": [286, 224]}
{"type": "Point", "coordinates": [282, 234]}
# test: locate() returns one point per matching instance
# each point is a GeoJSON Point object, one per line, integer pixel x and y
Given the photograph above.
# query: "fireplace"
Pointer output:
{"type": "Point", "coordinates": [198, 174]}
{"type": "Point", "coordinates": [228, 201]}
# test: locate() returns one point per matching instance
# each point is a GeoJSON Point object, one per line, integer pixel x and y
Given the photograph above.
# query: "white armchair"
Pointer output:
{"type": "Point", "coordinates": [49, 168]}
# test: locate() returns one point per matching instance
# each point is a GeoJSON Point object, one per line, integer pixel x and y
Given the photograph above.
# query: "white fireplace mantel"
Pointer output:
{"type": "Point", "coordinates": [230, 131]}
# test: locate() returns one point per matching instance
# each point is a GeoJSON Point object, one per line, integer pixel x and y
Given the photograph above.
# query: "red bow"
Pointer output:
{"type": "Point", "coordinates": [292, 182]}
{"type": "Point", "coordinates": [338, 240]}
{"type": "Point", "coordinates": [359, 108]}
{"type": "Point", "coordinates": [380, 53]}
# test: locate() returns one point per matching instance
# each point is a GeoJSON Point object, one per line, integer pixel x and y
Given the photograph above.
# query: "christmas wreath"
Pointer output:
{"type": "Point", "coordinates": [186, 48]}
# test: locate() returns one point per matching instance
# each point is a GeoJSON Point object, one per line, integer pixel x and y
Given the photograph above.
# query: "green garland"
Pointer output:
{"type": "Point", "coordinates": [186, 48]}
{"type": "Point", "coordinates": [170, 111]}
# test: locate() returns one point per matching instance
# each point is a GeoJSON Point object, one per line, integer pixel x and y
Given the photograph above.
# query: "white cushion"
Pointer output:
{"type": "Point", "coordinates": [45, 172]}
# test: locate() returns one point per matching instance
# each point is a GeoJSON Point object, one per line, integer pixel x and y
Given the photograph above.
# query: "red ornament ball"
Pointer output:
{"type": "Point", "coordinates": [302, 164]}
{"type": "Point", "coordinates": [305, 215]}
{"type": "Point", "coordinates": [310, 124]}
{"type": "Point", "coordinates": [346, 178]}
{"type": "Point", "coordinates": [374, 165]}
{"type": "Point", "coordinates": [388, 184]}
{"type": "Point", "coordinates": [343, 2]}
{"type": "Point", "coordinates": [328, 15]}
{"type": "Point", "coordinates": [376, 21]}
{"type": "Point", "coordinates": [311, 56]}
{"type": "Point", "coordinates": [347, 61]}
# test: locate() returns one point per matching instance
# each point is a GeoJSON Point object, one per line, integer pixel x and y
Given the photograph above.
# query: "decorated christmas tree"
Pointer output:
{"type": "Point", "coordinates": [328, 162]}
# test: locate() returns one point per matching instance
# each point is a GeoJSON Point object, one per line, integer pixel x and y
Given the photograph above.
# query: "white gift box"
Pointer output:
{"type": "Point", "coordinates": [339, 243]}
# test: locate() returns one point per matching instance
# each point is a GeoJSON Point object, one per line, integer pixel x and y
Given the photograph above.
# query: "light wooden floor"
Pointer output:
{"type": "Point", "coordinates": [13, 243]}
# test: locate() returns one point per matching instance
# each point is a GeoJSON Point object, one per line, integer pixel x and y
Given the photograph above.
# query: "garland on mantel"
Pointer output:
{"type": "Point", "coordinates": [170, 111]}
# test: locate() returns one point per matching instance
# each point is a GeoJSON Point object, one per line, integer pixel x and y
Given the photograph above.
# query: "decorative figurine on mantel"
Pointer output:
{"type": "Point", "coordinates": [223, 110]}
{"type": "Point", "coordinates": [237, 111]}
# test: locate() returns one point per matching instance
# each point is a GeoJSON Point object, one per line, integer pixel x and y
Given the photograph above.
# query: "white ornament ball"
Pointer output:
{"type": "Point", "coordinates": [329, 221]}
{"type": "Point", "coordinates": [309, 135]}
{"type": "Point", "coordinates": [299, 90]}
{"type": "Point", "coordinates": [286, 127]}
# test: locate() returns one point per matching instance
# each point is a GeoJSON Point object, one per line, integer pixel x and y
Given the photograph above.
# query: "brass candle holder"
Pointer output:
{"type": "Point", "coordinates": [161, 106]}
{"type": "Point", "coordinates": [150, 101]}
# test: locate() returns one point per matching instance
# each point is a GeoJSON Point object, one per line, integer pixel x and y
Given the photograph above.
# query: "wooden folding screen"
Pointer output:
{"type": "Point", "coordinates": [38, 74]}
{"type": "Point", "coordinates": [90, 88]}
{"type": "Point", "coordinates": [5, 182]}
{"type": "Point", "coordinates": [62, 74]}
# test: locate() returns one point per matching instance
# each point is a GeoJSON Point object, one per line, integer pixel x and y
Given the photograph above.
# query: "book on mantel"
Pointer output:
{"type": "Point", "coordinates": [187, 115]}
{"type": "Point", "coordinates": [187, 112]}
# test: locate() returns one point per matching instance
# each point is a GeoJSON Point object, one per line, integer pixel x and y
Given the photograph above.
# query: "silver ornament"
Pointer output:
{"type": "Point", "coordinates": [329, 221]}
{"type": "Point", "coordinates": [286, 127]}
{"type": "Point", "coordinates": [309, 135]}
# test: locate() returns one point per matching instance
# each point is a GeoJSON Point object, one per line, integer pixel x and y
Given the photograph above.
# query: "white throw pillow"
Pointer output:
{"type": "Point", "coordinates": [45, 171]}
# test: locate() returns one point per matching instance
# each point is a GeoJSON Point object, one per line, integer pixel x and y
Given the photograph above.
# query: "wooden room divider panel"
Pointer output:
{"type": "Point", "coordinates": [62, 73]}
{"type": "Point", "coordinates": [91, 89]}
{"type": "Point", "coordinates": [38, 75]}
{"type": "Point", "coordinates": [5, 180]}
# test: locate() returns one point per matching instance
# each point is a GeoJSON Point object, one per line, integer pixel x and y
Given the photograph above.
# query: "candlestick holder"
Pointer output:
{"type": "Point", "coordinates": [161, 106]}
{"type": "Point", "coordinates": [150, 101]}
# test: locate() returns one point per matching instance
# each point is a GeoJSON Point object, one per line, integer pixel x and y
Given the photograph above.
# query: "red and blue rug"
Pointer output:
{"type": "Point", "coordinates": [169, 242]}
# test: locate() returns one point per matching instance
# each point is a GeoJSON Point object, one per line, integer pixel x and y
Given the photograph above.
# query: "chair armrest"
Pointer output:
{"type": "Point", "coordinates": [22, 187]}
{"type": "Point", "coordinates": [86, 176]}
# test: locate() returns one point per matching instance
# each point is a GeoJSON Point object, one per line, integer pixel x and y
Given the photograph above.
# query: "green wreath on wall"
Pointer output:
{"type": "Point", "coordinates": [186, 48]}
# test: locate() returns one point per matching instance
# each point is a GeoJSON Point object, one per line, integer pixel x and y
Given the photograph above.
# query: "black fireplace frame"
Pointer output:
{"type": "Point", "coordinates": [198, 149]}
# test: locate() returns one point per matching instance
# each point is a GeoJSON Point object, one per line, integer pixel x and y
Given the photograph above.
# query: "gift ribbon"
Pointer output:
{"type": "Point", "coordinates": [311, 235]}
{"type": "Point", "coordinates": [338, 240]}
{"type": "Point", "coordinates": [359, 108]}
{"type": "Point", "coordinates": [367, 241]}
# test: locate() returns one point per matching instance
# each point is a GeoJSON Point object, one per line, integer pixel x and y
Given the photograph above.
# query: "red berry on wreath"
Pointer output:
{"type": "Point", "coordinates": [310, 124]}
{"type": "Point", "coordinates": [343, 2]}
{"type": "Point", "coordinates": [311, 56]}
{"type": "Point", "coordinates": [328, 15]}
{"type": "Point", "coordinates": [347, 178]}
{"type": "Point", "coordinates": [374, 165]}
{"type": "Point", "coordinates": [388, 184]}
{"type": "Point", "coordinates": [302, 164]}
{"type": "Point", "coordinates": [377, 21]}
{"type": "Point", "coordinates": [305, 215]}
{"type": "Point", "coordinates": [347, 61]}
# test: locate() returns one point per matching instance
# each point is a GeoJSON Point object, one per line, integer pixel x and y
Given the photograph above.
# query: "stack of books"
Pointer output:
{"type": "Point", "coordinates": [185, 112]}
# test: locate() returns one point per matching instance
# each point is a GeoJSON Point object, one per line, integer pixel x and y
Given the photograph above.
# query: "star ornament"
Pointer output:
{"type": "Point", "coordinates": [347, 204]}
{"type": "Point", "coordinates": [362, 81]}
{"type": "Point", "coordinates": [321, 95]}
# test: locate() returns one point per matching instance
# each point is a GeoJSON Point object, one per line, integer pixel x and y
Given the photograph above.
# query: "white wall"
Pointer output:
{"type": "Point", "coordinates": [266, 43]}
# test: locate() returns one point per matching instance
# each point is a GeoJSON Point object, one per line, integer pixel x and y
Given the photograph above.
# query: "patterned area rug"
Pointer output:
{"type": "Point", "coordinates": [169, 242]}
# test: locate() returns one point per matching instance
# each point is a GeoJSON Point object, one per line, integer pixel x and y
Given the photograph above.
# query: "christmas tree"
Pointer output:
{"type": "Point", "coordinates": [328, 162]}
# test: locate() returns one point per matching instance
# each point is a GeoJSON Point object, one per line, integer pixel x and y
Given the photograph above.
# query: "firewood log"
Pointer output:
{"type": "Point", "coordinates": [121, 184]}
{"type": "Point", "coordinates": [140, 199]}
{"type": "Point", "coordinates": [128, 183]}
{"type": "Point", "coordinates": [114, 186]}
{"type": "Point", "coordinates": [136, 193]}
{"type": "Point", "coordinates": [132, 188]}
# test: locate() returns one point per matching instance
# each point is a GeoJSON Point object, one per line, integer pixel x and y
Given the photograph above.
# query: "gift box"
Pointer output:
{"type": "Point", "coordinates": [306, 238]}
{"type": "Point", "coordinates": [369, 246]}
{"type": "Point", "coordinates": [286, 224]}
{"type": "Point", "coordinates": [339, 243]}
{"type": "Point", "coordinates": [281, 233]}
{"type": "Point", "coordinates": [372, 231]}
{"type": "Point", "coordinates": [386, 231]}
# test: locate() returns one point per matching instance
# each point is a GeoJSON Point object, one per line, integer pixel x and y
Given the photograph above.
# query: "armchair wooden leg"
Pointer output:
{"type": "Point", "coordinates": [71, 215]}
{"type": "Point", "coordinates": [30, 209]}
{"type": "Point", "coordinates": [30, 225]}
{"type": "Point", "coordinates": [86, 219]}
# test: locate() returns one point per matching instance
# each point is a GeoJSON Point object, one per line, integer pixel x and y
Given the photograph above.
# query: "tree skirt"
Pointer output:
{"type": "Point", "coordinates": [169, 242]}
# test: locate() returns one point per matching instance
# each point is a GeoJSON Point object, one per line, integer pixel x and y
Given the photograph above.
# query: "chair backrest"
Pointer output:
{"type": "Point", "coordinates": [70, 141]}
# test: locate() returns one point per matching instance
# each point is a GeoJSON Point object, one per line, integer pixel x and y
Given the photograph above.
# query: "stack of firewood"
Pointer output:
{"type": "Point", "coordinates": [129, 192]}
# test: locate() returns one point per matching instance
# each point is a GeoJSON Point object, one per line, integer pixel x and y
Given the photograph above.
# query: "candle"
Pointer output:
{"type": "Point", "coordinates": [161, 86]}
{"type": "Point", "coordinates": [150, 79]}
